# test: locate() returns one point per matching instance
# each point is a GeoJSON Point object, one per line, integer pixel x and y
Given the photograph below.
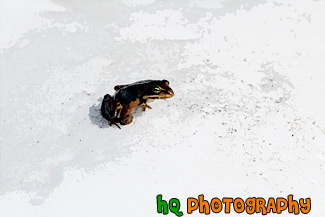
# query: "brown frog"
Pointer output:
{"type": "Point", "coordinates": [118, 109]}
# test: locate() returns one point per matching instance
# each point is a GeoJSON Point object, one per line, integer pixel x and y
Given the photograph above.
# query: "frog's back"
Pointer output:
{"type": "Point", "coordinates": [143, 83]}
{"type": "Point", "coordinates": [128, 94]}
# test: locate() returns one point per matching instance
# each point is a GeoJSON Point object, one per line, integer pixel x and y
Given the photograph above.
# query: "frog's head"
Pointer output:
{"type": "Point", "coordinates": [158, 90]}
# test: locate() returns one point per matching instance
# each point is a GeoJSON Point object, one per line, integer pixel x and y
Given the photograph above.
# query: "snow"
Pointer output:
{"type": "Point", "coordinates": [247, 118]}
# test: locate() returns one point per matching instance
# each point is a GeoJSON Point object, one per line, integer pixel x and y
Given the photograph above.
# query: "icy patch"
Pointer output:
{"type": "Point", "coordinates": [248, 106]}
{"type": "Point", "coordinates": [17, 18]}
{"type": "Point", "coordinates": [54, 97]}
{"type": "Point", "coordinates": [133, 3]}
{"type": "Point", "coordinates": [164, 24]}
{"type": "Point", "coordinates": [207, 4]}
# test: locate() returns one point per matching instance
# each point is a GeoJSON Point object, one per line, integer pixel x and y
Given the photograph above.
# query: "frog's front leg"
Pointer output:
{"type": "Point", "coordinates": [144, 106]}
{"type": "Point", "coordinates": [125, 116]}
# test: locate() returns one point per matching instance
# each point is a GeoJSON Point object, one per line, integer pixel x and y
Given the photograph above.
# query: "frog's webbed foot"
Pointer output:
{"type": "Point", "coordinates": [144, 106]}
{"type": "Point", "coordinates": [110, 122]}
{"type": "Point", "coordinates": [127, 120]}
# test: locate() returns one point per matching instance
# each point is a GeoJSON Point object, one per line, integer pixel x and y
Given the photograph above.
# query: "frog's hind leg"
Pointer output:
{"type": "Point", "coordinates": [125, 115]}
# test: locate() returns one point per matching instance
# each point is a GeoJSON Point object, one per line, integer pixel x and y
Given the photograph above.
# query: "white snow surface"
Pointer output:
{"type": "Point", "coordinates": [247, 118]}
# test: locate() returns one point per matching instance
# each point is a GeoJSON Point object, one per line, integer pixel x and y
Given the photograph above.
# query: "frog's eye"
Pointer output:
{"type": "Point", "coordinates": [156, 89]}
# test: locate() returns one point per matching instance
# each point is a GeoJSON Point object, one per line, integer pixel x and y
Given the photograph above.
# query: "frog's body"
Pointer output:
{"type": "Point", "coordinates": [127, 97]}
